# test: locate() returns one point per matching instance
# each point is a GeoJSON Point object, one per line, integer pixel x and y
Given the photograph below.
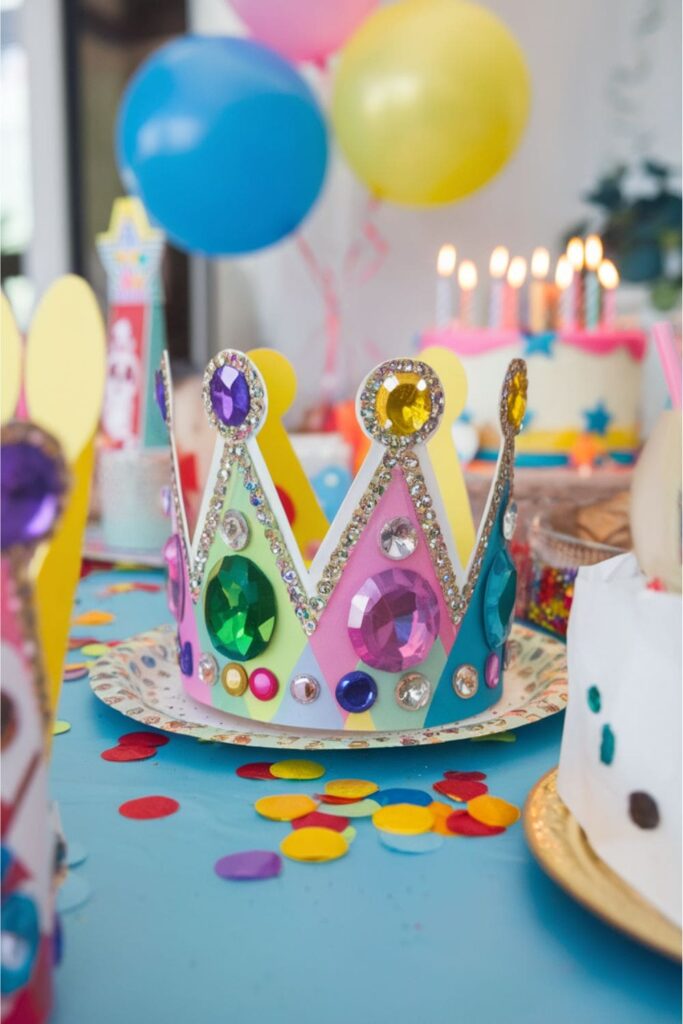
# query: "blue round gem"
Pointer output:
{"type": "Point", "coordinates": [417, 797]}
{"type": "Point", "coordinates": [185, 658]}
{"type": "Point", "coordinates": [356, 692]}
{"type": "Point", "coordinates": [499, 599]}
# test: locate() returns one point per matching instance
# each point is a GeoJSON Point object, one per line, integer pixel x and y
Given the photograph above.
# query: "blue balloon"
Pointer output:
{"type": "Point", "coordinates": [223, 142]}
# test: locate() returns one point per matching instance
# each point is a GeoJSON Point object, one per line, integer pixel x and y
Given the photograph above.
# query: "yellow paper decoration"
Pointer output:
{"type": "Point", "coordinates": [404, 819]}
{"type": "Point", "coordinates": [314, 845]}
{"type": "Point", "coordinates": [492, 810]}
{"type": "Point", "coordinates": [352, 789]}
{"type": "Point", "coordinates": [310, 525]}
{"type": "Point", "coordinates": [10, 378]}
{"type": "Point", "coordinates": [445, 461]}
{"type": "Point", "coordinates": [284, 808]}
{"type": "Point", "coordinates": [297, 769]}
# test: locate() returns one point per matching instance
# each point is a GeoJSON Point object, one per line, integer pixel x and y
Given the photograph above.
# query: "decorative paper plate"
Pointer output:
{"type": "Point", "coordinates": [560, 845]}
{"type": "Point", "coordinates": [141, 679]}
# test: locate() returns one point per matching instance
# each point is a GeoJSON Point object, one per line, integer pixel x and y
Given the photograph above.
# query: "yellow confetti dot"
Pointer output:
{"type": "Point", "coordinates": [60, 726]}
{"type": "Point", "coordinates": [285, 808]}
{"type": "Point", "coordinates": [314, 845]}
{"type": "Point", "coordinates": [492, 810]}
{"type": "Point", "coordinates": [404, 819]}
{"type": "Point", "coordinates": [352, 789]}
{"type": "Point", "coordinates": [94, 618]}
{"type": "Point", "coordinates": [94, 650]}
{"type": "Point", "coordinates": [300, 769]}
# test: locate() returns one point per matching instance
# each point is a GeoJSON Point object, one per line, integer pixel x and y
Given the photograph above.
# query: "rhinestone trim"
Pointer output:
{"type": "Point", "coordinates": [257, 395]}
{"type": "Point", "coordinates": [368, 397]}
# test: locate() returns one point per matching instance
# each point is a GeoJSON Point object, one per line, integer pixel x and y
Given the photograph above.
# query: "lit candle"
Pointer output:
{"type": "Point", "coordinates": [608, 276]}
{"type": "Point", "coordinates": [445, 265]}
{"type": "Point", "coordinates": [516, 277]}
{"type": "Point", "coordinates": [540, 264]}
{"type": "Point", "coordinates": [575, 255]}
{"type": "Point", "coordinates": [564, 277]}
{"type": "Point", "coordinates": [498, 264]}
{"type": "Point", "coordinates": [592, 256]}
{"type": "Point", "coordinates": [467, 279]}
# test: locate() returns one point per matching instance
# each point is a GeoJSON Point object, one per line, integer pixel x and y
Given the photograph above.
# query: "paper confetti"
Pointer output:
{"type": "Point", "coordinates": [297, 769]}
{"type": "Point", "coordinates": [314, 845]}
{"type": "Point", "coordinates": [75, 671]}
{"type": "Point", "coordinates": [403, 796]}
{"type": "Point", "coordinates": [353, 789]}
{"type": "Point", "coordinates": [128, 752]}
{"type": "Point", "coordinates": [95, 650]}
{"type": "Point", "coordinates": [465, 825]}
{"type": "Point", "coordinates": [325, 798]}
{"type": "Point", "coordinates": [285, 807]}
{"type": "Point", "coordinates": [492, 810]}
{"type": "Point", "coordinates": [255, 770]}
{"type": "Point", "coordinates": [94, 618]}
{"type": "Point", "coordinates": [60, 727]}
{"type": "Point", "coordinates": [249, 866]}
{"type": "Point", "coordinates": [425, 842]}
{"type": "Point", "coordinates": [442, 813]}
{"type": "Point", "coordinates": [461, 790]}
{"type": "Point", "coordinates": [403, 819]}
{"type": "Point", "coordinates": [496, 737]}
{"type": "Point", "coordinates": [143, 739]}
{"type": "Point", "coordinates": [148, 807]}
{"type": "Point", "coordinates": [358, 809]}
{"type": "Point", "coordinates": [470, 776]}
{"type": "Point", "coordinates": [318, 820]}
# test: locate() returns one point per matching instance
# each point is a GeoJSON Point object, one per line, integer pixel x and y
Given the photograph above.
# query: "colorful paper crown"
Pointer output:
{"type": "Point", "coordinates": [385, 629]}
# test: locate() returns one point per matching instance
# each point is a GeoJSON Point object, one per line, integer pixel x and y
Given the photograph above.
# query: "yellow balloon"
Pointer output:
{"type": "Point", "coordinates": [430, 100]}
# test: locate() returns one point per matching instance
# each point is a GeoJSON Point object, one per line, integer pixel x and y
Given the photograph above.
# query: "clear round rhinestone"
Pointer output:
{"type": "Point", "coordinates": [510, 520]}
{"type": "Point", "coordinates": [207, 669]}
{"type": "Point", "coordinates": [413, 691]}
{"type": "Point", "coordinates": [304, 689]}
{"type": "Point", "coordinates": [235, 530]}
{"type": "Point", "coordinates": [398, 538]}
{"type": "Point", "coordinates": [466, 681]}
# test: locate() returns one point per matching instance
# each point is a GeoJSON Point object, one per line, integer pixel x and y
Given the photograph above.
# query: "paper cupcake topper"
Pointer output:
{"type": "Point", "coordinates": [387, 628]}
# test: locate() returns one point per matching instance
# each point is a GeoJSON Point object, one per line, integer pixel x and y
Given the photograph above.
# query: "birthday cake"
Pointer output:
{"type": "Point", "coordinates": [619, 768]}
{"type": "Point", "coordinates": [387, 628]}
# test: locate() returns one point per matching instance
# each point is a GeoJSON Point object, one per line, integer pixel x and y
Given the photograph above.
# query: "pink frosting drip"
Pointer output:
{"type": "Point", "coordinates": [474, 342]}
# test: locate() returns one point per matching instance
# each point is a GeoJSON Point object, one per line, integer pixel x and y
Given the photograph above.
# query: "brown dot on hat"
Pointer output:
{"type": "Point", "coordinates": [643, 810]}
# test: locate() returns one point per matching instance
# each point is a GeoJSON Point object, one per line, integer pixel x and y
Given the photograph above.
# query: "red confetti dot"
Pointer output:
{"type": "Point", "coordinates": [143, 739]}
{"type": "Point", "coordinates": [470, 776]}
{"type": "Point", "coordinates": [255, 770]}
{"type": "Point", "coordinates": [327, 798]}
{"type": "Point", "coordinates": [460, 789]}
{"type": "Point", "coordinates": [128, 753]}
{"type": "Point", "coordinates": [149, 807]}
{"type": "Point", "coordinates": [317, 819]}
{"type": "Point", "coordinates": [287, 504]}
{"type": "Point", "coordinates": [465, 825]}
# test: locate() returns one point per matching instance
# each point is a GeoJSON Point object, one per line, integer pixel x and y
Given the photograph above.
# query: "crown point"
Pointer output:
{"type": "Point", "coordinates": [234, 395]}
{"type": "Point", "coordinates": [401, 403]}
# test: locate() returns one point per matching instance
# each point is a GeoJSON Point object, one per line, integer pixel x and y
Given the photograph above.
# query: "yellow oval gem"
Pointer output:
{"type": "Point", "coordinates": [351, 789]}
{"type": "Point", "coordinates": [403, 403]}
{"type": "Point", "coordinates": [297, 769]}
{"type": "Point", "coordinates": [404, 819]}
{"type": "Point", "coordinates": [314, 845]}
{"type": "Point", "coordinates": [284, 808]}
{"type": "Point", "coordinates": [492, 810]}
{"type": "Point", "coordinates": [516, 402]}
{"type": "Point", "coordinates": [234, 679]}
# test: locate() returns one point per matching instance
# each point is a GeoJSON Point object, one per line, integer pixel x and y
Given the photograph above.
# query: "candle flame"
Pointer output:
{"type": "Point", "coordinates": [498, 264]}
{"type": "Point", "coordinates": [517, 272]}
{"type": "Point", "coordinates": [564, 273]}
{"type": "Point", "coordinates": [593, 252]}
{"type": "Point", "coordinates": [445, 264]}
{"type": "Point", "coordinates": [575, 253]}
{"type": "Point", "coordinates": [467, 275]}
{"type": "Point", "coordinates": [540, 263]}
{"type": "Point", "coordinates": [608, 275]}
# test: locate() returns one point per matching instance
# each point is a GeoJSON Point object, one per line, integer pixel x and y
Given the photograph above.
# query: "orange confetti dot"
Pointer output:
{"type": "Point", "coordinates": [94, 618]}
{"type": "Point", "coordinates": [494, 811]}
{"type": "Point", "coordinates": [285, 808]}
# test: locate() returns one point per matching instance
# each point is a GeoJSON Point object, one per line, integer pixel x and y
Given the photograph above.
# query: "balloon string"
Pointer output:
{"type": "Point", "coordinates": [369, 233]}
{"type": "Point", "coordinates": [323, 277]}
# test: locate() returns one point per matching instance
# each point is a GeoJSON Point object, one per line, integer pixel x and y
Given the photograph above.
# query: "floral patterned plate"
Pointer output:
{"type": "Point", "coordinates": [141, 679]}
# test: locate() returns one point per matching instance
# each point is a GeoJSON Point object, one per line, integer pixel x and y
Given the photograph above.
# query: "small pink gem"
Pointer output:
{"type": "Point", "coordinates": [394, 620]}
{"type": "Point", "coordinates": [175, 588]}
{"type": "Point", "coordinates": [492, 671]}
{"type": "Point", "coordinates": [263, 683]}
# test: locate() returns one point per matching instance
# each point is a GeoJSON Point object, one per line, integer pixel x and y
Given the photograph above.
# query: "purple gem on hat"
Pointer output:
{"type": "Point", "coordinates": [32, 486]}
{"type": "Point", "coordinates": [230, 398]}
{"type": "Point", "coordinates": [160, 394]}
{"type": "Point", "coordinates": [185, 659]}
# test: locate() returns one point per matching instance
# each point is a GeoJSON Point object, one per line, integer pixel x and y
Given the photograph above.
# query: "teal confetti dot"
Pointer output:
{"type": "Point", "coordinates": [607, 745]}
{"type": "Point", "coordinates": [594, 701]}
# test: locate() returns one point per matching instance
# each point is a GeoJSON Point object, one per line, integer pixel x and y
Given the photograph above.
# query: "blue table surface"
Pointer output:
{"type": "Point", "coordinates": [474, 931]}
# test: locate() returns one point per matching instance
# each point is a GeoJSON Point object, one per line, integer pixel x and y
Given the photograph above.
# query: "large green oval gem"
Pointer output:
{"type": "Point", "coordinates": [499, 598]}
{"type": "Point", "coordinates": [239, 608]}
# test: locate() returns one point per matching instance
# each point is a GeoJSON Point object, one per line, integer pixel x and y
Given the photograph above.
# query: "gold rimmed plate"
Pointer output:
{"type": "Point", "coordinates": [560, 845]}
{"type": "Point", "coordinates": [141, 679]}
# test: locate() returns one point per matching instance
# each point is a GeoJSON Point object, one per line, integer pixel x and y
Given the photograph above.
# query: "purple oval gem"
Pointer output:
{"type": "Point", "coordinates": [185, 658]}
{"type": "Point", "coordinates": [492, 671]}
{"type": "Point", "coordinates": [32, 485]}
{"type": "Point", "coordinates": [394, 620]}
{"type": "Point", "coordinates": [160, 394]}
{"type": "Point", "coordinates": [356, 692]}
{"type": "Point", "coordinates": [230, 397]}
{"type": "Point", "coordinates": [175, 588]}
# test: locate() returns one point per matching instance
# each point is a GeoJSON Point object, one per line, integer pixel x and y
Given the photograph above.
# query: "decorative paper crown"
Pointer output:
{"type": "Point", "coordinates": [384, 630]}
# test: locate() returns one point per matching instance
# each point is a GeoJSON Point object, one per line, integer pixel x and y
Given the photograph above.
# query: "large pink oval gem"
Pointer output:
{"type": "Point", "coordinates": [175, 587]}
{"type": "Point", "coordinates": [394, 620]}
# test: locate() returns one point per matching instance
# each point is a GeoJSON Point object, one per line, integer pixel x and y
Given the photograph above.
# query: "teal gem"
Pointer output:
{"type": "Point", "coordinates": [593, 696]}
{"type": "Point", "coordinates": [607, 745]}
{"type": "Point", "coordinates": [499, 599]}
{"type": "Point", "coordinates": [239, 608]}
